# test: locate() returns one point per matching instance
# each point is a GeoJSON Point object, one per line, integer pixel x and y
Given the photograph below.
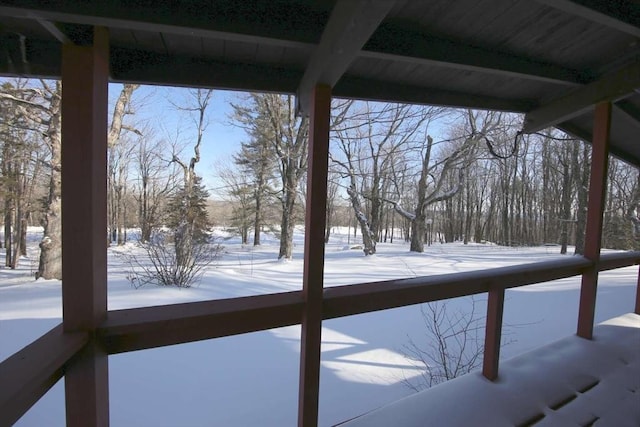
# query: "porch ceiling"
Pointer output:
{"type": "Point", "coordinates": [551, 59]}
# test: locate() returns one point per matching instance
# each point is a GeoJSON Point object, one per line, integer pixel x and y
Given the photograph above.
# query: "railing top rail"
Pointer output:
{"type": "Point", "coordinates": [31, 372]}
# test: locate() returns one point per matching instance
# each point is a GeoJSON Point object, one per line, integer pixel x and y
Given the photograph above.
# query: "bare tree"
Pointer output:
{"type": "Point", "coordinates": [370, 139]}
{"type": "Point", "coordinates": [179, 257]}
{"type": "Point", "coordinates": [582, 163]}
{"type": "Point", "coordinates": [634, 208]}
{"type": "Point", "coordinates": [155, 181]}
{"type": "Point", "coordinates": [50, 266]}
{"type": "Point", "coordinates": [436, 172]}
{"type": "Point", "coordinates": [565, 156]}
{"type": "Point", "coordinates": [40, 106]}
{"type": "Point", "coordinates": [119, 154]}
{"type": "Point", "coordinates": [332, 194]}
{"type": "Point", "coordinates": [436, 193]}
{"type": "Point", "coordinates": [22, 159]}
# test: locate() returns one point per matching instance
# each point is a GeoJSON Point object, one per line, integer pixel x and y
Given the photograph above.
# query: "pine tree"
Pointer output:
{"type": "Point", "coordinates": [271, 118]}
{"type": "Point", "coordinates": [188, 213]}
{"type": "Point", "coordinates": [257, 161]}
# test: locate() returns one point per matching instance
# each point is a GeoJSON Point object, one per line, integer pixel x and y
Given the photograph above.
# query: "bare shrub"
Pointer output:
{"type": "Point", "coordinates": [453, 344]}
{"type": "Point", "coordinates": [163, 266]}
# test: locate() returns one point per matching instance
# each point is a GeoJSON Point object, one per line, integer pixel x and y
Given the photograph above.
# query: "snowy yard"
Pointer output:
{"type": "Point", "coordinates": [253, 379]}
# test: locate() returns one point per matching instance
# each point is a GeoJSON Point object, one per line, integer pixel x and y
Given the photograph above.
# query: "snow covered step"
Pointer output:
{"type": "Point", "coordinates": [571, 382]}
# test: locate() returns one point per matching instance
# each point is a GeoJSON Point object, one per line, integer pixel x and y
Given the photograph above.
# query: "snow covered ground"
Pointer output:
{"type": "Point", "coordinates": [570, 382]}
{"type": "Point", "coordinates": [253, 379]}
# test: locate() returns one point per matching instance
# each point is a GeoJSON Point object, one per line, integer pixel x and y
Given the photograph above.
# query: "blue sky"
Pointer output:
{"type": "Point", "coordinates": [155, 105]}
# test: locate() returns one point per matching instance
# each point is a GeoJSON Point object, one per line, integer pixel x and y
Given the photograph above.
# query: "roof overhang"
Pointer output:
{"type": "Point", "coordinates": [550, 59]}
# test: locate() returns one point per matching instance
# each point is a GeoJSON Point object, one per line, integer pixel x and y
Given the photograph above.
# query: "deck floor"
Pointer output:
{"type": "Point", "coordinates": [571, 382]}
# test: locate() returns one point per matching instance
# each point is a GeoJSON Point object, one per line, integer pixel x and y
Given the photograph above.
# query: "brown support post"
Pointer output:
{"type": "Point", "coordinates": [493, 334]}
{"type": "Point", "coordinates": [595, 209]}
{"type": "Point", "coordinates": [85, 75]}
{"type": "Point", "coordinates": [637, 308]}
{"type": "Point", "coordinates": [315, 223]}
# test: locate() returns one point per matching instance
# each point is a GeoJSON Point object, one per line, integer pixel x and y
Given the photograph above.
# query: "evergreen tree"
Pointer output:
{"type": "Point", "coordinates": [257, 162]}
{"type": "Point", "coordinates": [187, 213]}
{"type": "Point", "coordinates": [271, 119]}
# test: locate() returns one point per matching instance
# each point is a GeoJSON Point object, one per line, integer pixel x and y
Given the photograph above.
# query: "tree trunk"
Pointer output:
{"type": "Point", "coordinates": [583, 195]}
{"type": "Point", "coordinates": [8, 233]}
{"type": "Point", "coordinates": [8, 181]}
{"type": "Point", "coordinates": [146, 222]}
{"type": "Point", "coordinates": [368, 240]}
{"type": "Point", "coordinates": [419, 216]}
{"type": "Point", "coordinates": [287, 221]}
{"type": "Point", "coordinates": [17, 244]}
{"type": "Point", "coordinates": [327, 230]}
{"type": "Point", "coordinates": [244, 233]}
{"type": "Point", "coordinates": [119, 213]}
{"type": "Point", "coordinates": [257, 220]}
{"type": "Point", "coordinates": [116, 178]}
{"type": "Point", "coordinates": [23, 237]}
{"type": "Point", "coordinates": [19, 220]}
{"type": "Point", "coordinates": [50, 265]}
{"type": "Point", "coordinates": [566, 207]}
{"type": "Point", "coordinates": [417, 234]}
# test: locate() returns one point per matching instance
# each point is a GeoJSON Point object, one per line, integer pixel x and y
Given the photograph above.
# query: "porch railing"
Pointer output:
{"type": "Point", "coordinates": [29, 373]}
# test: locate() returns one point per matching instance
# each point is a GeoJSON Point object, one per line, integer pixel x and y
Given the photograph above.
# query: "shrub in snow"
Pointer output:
{"type": "Point", "coordinates": [453, 346]}
{"type": "Point", "coordinates": [163, 265]}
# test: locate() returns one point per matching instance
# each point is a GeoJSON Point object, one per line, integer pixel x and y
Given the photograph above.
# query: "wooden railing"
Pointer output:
{"type": "Point", "coordinates": [29, 373]}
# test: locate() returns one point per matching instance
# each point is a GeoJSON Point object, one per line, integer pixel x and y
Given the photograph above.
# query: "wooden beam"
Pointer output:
{"type": "Point", "coordinates": [637, 307]}
{"type": "Point", "coordinates": [393, 43]}
{"type": "Point", "coordinates": [598, 179]}
{"type": "Point", "coordinates": [493, 334]}
{"type": "Point", "coordinates": [611, 87]}
{"type": "Point", "coordinates": [151, 327]}
{"type": "Point", "coordinates": [619, 15]}
{"type": "Point", "coordinates": [85, 76]}
{"type": "Point", "coordinates": [84, 204]}
{"type": "Point", "coordinates": [250, 23]}
{"type": "Point", "coordinates": [629, 112]}
{"type": "Point", "coordinates": [128, 65]}
{"type": "Point", "coordinates": [612, 260]}
{"type": "Point", "coordinates": [595, 206]}
{"type": "Point", "coordinates": [577, 132]}
{"type": "Point", "coordinates": [137, 66]}
{"type": "Point", "coordinates": [361, 298]}
{"type": "Point", "coordinates": [349, 27]}
{"type": "Point", "coordinates": [361, 88]}
{"type": "Point", "coordinates": [28, 374]}
{"type": "Point", "coordinates": [55, 31]}
{"type": "Point", "coordinates": [313, 274]}
{"type": "Point", "coordinates": [586, 135]}
{"type": "Point", "coordinates": [43, 58]}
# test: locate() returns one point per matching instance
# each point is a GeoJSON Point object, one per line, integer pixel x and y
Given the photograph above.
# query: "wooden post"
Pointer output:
{"type": "Point", "coordinates": [637, 308]}
{"type": "Point", "coordinates": [595, 209]}
{"type": "Point", "coordinates": [493, 334]}
{"type": "Point", "coordinates": [315, 223]}
{"type": "Point", "coordinates": [85, 74]}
